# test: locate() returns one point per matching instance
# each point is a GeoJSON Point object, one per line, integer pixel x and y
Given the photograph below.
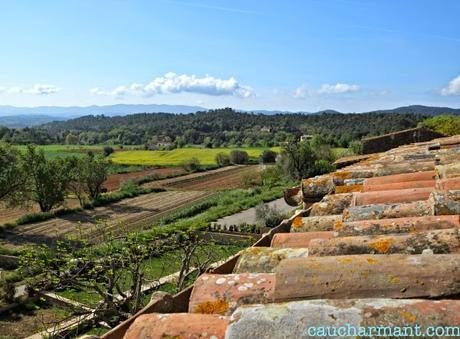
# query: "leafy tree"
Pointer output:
{"type": "Point", "coordinates": [297, 159]}
{"type": "Point", "coordinates": [222, 159]}
{"type": "Point", "coordinates": [239, 157]}
{"type": "Point", "coordinates": [356, 147]}
{"type": "Point", "coordinates": [71, 139]}
{"type": "Point", "coordinates": [12, 176]}
{"type": "Point", "coordinates": [108, 150]}
{"type": "Point", "coordinates": [268, 156]}
{"type": "Point", "coordinates": [180, 141]}
{"type": "Point", "coordinates": [94, 171]}
{"type": "Point", "coordinates": [46, 179]}
{"type": "Point", "coordinates": [191, 165]}
{"type": "Point", "coordinates": [87, 176]}
{"type": "Point", "coordinates": [77, 182]}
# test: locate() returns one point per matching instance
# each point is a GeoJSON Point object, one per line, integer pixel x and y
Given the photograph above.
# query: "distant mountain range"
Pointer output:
{"type": "Point", "coordinates": [19, 117]}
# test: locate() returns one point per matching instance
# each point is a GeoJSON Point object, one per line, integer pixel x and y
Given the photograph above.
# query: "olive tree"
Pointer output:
{"type": "Point", "coordinates": [87, 176]}
{"type": "Point", "coordinates": [12, 176]}
{"type": "Point", "coordinates": [46, 179]}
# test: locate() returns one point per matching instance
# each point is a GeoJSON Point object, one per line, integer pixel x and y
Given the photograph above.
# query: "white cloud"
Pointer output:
{"type": "Point", "coordinates": [338, 88]}
{"type": "Point", "coordinates": [38, 89]}
{"type": "Point", "coordinates": [301, 92]}
{"type": "Point", "coordinates": [14, 90]}
{"type": "Point", "coordinates": [174, 83]}
{"type": "Point", "coordinates": [453, 88]}
{"type": "Point", "coordinates": [98, 91]}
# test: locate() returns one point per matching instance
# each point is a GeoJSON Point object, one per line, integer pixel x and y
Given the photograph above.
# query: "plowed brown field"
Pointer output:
{"type": "Point", "coordinates": [222, 178]}
{"type": "Point", "coordinates": [134, 213]}
{"type": "Point", "coordinates": [115, 180]}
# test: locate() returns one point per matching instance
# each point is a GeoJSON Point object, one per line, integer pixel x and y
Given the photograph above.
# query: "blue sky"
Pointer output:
{"type": "Point", "coordinates": [349, 55]}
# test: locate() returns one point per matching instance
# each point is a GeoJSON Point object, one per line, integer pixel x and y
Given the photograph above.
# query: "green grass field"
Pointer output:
{"type": "Point", "coordinates": [53, 151]}
{"type": "Point", "coordinates": [132, 156]}
{"type": "Point", "coordinates": [206, 156]}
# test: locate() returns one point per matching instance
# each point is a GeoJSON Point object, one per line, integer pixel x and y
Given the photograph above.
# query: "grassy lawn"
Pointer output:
{"type": "Point", "coordinates": [206, 156]}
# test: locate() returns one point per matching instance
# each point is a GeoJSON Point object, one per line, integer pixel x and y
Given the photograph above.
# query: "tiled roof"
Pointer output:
{"type": "Point", "coordinates": [383, 251]}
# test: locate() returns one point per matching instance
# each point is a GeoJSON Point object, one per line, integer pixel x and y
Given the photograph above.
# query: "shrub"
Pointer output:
{"type": "Point", "coordinates": [34, 217]}
{"type": "Point", "coordinates": [268, 156]}
{"type": "Point", "coordinates": [222, 159]}
{"type": "Point", "coordinates": [108, 150]}
{"type": "Point", "coordinates": [323, 166]}
{"type": "Point", "coordinates": [446, 124]}
{"type": "Point", "coordinates": [356, 147]}
{"type": "Point", "coordinates": [191, 165]}
{"type": "Point", "coordinates": [250, 179]}
{"type": "Point", "coordinates": [239, 157]}
{"type": "Point", "coordinates": [271, 175]}
{"type": "Point", "coordinates": [268, 216]}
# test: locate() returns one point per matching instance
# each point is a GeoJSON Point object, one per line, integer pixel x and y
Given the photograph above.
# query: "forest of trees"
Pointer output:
{"type": "Point", "coordinates": [215, 128]}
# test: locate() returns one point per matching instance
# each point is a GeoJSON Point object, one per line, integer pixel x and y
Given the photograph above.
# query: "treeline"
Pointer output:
{"type": "Point", "coordinates": [215, 128]}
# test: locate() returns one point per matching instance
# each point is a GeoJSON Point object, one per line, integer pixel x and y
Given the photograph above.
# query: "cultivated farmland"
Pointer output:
{"type": "Point", "coordinates": [222, 178]}
{"type": "Point", "coordinates": [136, 212]}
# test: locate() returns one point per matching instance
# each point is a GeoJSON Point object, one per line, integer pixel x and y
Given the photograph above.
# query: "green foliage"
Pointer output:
{"type": "Point", "coordinates": [446, 124]}
{"type": "Point", "coordinates": [228, 203]}
{"type": "Point", "coordinates": [222, 159]}
{"type": "Point", "coordinates": [221, 127]}
{"type": "Point", "coordinates": [121, 268]}
{"type": "Point", "coordinates": [267, 216]}
{"type": "Point", "coordinates": [238, 157]}
{"type": "Point", "coordinates": [108, 150]}
{"type": "Point", "coordinates": [323, 166]}
{"type": "Point", "coordinates": [12, 174]}
{"type": "Point", "coordinates": [356, 147]}
{"type": "Point", "coordinates": [46, 179]}
{"type": "Point", "coordinates": [250, 179]}
{"type": "Point", "coordinates": [188, 212]}
{"type": "Point", "coordinates": [303, 159]}
{"type": "Point", "coordinates": [268, 156]}
{"type": "Point", "coordinates": [297, 159]}
{"type": "Point", "coordinates": [191, 165]}
{"type": "Point", "coordinates": [34, 217]}
{"type": "Point", "coordinates": [87, 176]}
{"type": "Point", "coordinates": [271, 176]}
{"type": "Point", "coordinates": [71, 139]}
